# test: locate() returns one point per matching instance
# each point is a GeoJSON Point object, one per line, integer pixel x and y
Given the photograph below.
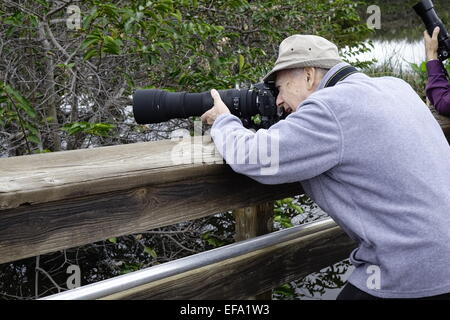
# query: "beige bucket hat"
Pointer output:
{"type": "Point", "coordinates": [298, 51]}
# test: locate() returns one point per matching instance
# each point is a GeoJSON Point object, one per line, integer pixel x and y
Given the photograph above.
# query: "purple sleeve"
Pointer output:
{"type": "Point", "coordinates": [438, 88]}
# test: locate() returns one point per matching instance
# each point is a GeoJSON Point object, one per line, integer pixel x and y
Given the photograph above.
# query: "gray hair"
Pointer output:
{"type": "Point", "coordinates": [321, 71]}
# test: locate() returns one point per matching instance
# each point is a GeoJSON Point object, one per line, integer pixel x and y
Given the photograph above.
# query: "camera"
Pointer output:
{"type": "Point", "coordinates": [425, 9]}
{"type": "Point", "coordinates": [155, 105]}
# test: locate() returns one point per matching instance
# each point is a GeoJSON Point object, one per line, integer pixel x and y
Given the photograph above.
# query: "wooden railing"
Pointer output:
{"type": "Point", "coordinates": [54, 201]}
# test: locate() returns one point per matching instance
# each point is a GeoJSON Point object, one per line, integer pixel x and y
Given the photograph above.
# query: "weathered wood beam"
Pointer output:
{"type": "Point", "coordinates": [73, 198]}
{"type": "Point", "coordinates": [40, 178]}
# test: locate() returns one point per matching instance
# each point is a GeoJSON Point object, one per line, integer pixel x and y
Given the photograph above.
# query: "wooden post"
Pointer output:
{"type": "Point", "coordinates": [252, 222]}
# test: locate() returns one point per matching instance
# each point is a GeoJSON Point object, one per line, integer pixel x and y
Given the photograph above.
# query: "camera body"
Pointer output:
{"type": "Point", "coordinates": [425, 9]}
{"type": "Point", "coordinates": [266, 95]}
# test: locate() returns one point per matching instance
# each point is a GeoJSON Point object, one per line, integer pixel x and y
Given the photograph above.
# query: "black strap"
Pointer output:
{"type": "Point", "coordinates": [341, 74]}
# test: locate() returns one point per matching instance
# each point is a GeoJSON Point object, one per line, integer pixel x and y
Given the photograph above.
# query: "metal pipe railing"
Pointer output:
{"type": "Point", "coordinates": [131, 280]}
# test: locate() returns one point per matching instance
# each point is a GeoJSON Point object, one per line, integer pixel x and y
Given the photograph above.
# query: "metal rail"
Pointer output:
{"type": "Point", "coordinates": [131, 280]}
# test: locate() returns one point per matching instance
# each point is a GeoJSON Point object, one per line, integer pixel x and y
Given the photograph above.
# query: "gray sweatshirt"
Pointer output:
{"type": "Point", "coordinates": [369, 152]}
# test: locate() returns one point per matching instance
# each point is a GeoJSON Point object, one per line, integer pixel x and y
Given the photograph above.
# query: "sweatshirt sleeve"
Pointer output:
{"type": "Point", "coordinates": [438, 87]}
{"type": "Point", "coordinates": [304, 145]}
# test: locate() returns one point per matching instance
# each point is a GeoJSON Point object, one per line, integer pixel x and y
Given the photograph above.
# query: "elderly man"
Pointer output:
{"type": "Point", "coordinates": [369, 153]}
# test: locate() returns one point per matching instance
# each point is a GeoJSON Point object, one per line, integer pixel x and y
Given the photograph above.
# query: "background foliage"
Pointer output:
{"type": "Point", "coordinates": [54, 79]}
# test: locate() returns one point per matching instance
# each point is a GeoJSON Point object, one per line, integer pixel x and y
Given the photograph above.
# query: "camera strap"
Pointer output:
{"type": "Point", "coordinates": [339, 75]}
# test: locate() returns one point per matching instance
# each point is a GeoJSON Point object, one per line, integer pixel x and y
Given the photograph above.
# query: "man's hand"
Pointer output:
{"type": "Point", "coordinates": [431, 44]}
{"type": "Point", "coordinates": [219, 108]}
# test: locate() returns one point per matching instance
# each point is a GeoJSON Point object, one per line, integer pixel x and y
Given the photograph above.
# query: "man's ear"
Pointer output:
{"type": "Point", "coordinates": [310, 74]}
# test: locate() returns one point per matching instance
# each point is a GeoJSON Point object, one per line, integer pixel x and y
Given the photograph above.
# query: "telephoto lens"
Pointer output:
{"type": "Point", "coordinates": [155, 106]}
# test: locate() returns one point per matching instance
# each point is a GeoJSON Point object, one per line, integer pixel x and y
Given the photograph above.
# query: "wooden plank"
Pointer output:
{"type": "Point", "coordinates": [71, 174]}
{"type": "Point", "coordinates": [251, 273]}
{"type": "Point", "coordinates": [41, 228]}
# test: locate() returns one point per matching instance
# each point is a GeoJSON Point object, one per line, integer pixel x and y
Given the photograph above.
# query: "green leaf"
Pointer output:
{"type": "Point", "coordinates": [241, 62]}
{"type": "Point", "coordinates": [256, 119]}
{"type": "Point", "coordinates": [278, 210]}
{"type": "Point", "coordinates": [90, 54]}
{"type": "Point", "coordinates": [167, 46]}
{"type": "Point", "coordinates": [88, 19]}
{"type": "Point", "coordinates": [112, 240]}
{"type": "Point", "coordinates": [22, 103]}
{"type": "Point", "coordinates": [112, 45]}
{"type": "Point", "coordinates": [150, 251]}
{"type": "Point", "coordinates": [177, 15]}
{"type": "Point", "coordinates": [63, 65]}
{"type": "Point", "coordinates": [287, 200]}
{"type": "Point", "coordinates": [296, 208]}
{"type": "Point", "coordinates": [423, 67]}
{"type": "Point", "coordinates": [212, 240]}
{"type": "Point", "coordinates": [89, 42]}
{"type": "Point", "coordinates": [33, 138]}
{"type": "Point", "coordinates": [32, 128]}
{"type": "Point", "coordinates": [285, 290]}
{"type": "Point", "coordinates": [42, 2]}
{"type": "Point", "coordinates": [101, 129]}
{"type": "Point", "coordinates": [96, 129]}
{"type": "Point", "coordinates": [127, 268]}
{"type": "Point", "coordinates": [42, 151]}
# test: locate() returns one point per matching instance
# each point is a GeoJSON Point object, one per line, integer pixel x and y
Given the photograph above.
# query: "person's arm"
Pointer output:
{"type": "Point", "coordinates": [438, 88]}
{"type": "Point", "coordinates": [304, 145]}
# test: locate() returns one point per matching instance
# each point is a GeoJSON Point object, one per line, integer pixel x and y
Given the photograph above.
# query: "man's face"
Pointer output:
{"type": "Point", "coordinates": [295, 86]}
